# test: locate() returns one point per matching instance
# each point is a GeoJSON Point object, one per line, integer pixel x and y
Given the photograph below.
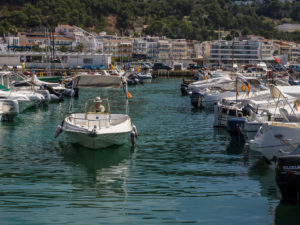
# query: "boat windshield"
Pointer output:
{"type": "Point", "coordinates": [97, 106]}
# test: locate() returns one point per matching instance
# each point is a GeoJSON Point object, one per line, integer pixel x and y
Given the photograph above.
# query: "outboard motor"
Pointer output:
{"type": "Point", "coordinates": [292, 83]}
{"type": "Point", "coordinates": [53, 92]}
{"type": "Point", "coordinates": [234, 126]}
{"type": "Point", "coordinates": [183, 89]}
{"type": "Point", "coordinates": [248, 110]}
{"type": "Point", "coordinates": [288, 177]}
{"type": "Point", "coordinates": [196, 99]}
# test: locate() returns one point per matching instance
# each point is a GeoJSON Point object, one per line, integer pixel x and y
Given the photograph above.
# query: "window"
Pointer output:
{"type": "Point", "coordinates": [88, 61]}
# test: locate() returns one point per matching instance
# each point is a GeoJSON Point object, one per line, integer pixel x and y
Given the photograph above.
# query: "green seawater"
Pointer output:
{"type": "Point", "coordinates": [181, 171]}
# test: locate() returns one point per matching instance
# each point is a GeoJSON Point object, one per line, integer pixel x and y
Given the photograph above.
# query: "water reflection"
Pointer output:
{"type": "Point", "coordinates": [261, 172]}
{"type": "Point", "coordinates": [287, 214]}
{"type": "Point", "coordinates": [106, 171]}
{"type": "Point", "coordinates": [235, 146]}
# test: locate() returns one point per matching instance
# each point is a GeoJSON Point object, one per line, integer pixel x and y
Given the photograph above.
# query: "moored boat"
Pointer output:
{"type": "Point", "coordinates": [97, 127]}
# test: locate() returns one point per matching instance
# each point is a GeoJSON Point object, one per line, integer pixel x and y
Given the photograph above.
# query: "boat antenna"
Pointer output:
{"type": "Point", "coordinates": [72, 97]}
{"type": "Point", "coordinates": [125, 88]}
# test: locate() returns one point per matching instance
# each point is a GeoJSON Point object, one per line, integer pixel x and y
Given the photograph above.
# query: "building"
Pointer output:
{"type": "Point", "coordinates": [179, 49]}
{"type": "Point", "coordinates": [242, 52]}
{"type": "Point", "coordinates": [44, 39]}
{"type": "Point", "coordinates": [164, 50]}
{"type": "Point", "coordinates": [66, 30]}
{"type": "Point", "coordinates": [67, 60]}
{"type": "Point", "coordinates": [288, 27]}
{"type": "Point", "coordinates": [194, 49]}
{"type": "Point", "coordinates": [125, 49]}
{"type": "Point", "coordinates": [266, 49]}
{"type": "Point", "coordinates": [295, 54]}
{"type": "Point", "coordinates": [111, 46]}
{"type": "Point", "coordinates": [139, 48]}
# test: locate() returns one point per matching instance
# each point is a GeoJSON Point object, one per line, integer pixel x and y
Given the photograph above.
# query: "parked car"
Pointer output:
{"type": "Point", "coordinates": [161, 66]}
{"type": "Point", "coordinates": [194, 67]}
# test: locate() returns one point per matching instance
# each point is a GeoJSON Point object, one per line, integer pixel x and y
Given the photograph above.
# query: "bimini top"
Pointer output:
{"type": "Point", "coordinates": [284, 91]}
{"type": "Point", "coordinates": [98, 81]}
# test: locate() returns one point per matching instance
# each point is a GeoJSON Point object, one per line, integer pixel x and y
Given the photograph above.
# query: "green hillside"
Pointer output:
{"type": "Point", "coordinates": [190, 19]}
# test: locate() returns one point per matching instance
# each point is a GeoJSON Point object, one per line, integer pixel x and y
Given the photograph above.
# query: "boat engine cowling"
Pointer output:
{"type": "Point", "coordinates": [184, 89]}
{"type": "Point", "coordinates": [248, 110]}
{"type": "Point", "coordinates": [196, 99]}
{"type": "Point", "coordinates": [288, 177]}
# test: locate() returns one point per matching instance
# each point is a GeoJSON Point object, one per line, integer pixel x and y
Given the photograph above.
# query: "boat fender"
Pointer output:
{"type": "Point", "coordinates": [135, 130]}
{"type": "Point", "coordinates": [59, 129]}
{"type": "Point", "coordinates": [133, 137]}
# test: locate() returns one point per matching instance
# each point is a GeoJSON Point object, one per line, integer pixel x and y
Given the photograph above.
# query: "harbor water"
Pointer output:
{"type": "Point", "coordinates": [181, 171]}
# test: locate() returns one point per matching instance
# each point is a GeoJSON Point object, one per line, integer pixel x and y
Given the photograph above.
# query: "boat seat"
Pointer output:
{"type": "Point", "coordinates": [98, 119]}
{"type": "Point", "coordinates": [287, 117]}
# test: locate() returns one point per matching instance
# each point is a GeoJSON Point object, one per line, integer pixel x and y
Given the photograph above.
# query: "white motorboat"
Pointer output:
{"type": "Point", "coordinates": [275, 139]}
{"type": "Point", "coordinates": [9, 109]}
{"type": "Point", "coordinates": [26, 99]}
{"type": "Point", "coordinates": [98, 128]}
{"type": "Point", "coordinates": [216, 92]}
{"type": "Point", "coordinates": [145, 76]}
{"type": "Point", "coordinates": [260, 107]}
{"type": "Point", "coordinates": [279, 107]}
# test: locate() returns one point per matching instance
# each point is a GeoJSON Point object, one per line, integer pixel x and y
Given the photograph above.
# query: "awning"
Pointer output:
{"type": "Point", "coordinates": [275, 92]}
{"type": "Point", "coordinates": [98, 81]}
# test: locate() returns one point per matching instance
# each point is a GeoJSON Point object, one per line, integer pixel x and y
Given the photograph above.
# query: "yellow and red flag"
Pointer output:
{"type": "Point", "coordinates": [277, 60]}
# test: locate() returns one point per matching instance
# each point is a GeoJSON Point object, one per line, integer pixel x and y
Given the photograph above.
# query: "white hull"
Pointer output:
{"type": "Point", "coordinates": [25, 104]}
{"type": "Point", "coordinates": [96, 130]}
{"type": "Point", "coordinates": [221, 117]}
{"type": "Point", "coordinates": [250, 129]}
{"type": "Point", "coordinates": [9, 109]}
{"type": "Point", "coordinates": [211, 98]}
{"type": "Point", "coordinates": [275, 139]}
{"type": "Point", "coordinates": [99, 141]}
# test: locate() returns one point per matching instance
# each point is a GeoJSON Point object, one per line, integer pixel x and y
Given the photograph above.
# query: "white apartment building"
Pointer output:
{"type": "Point", "coordinates": [111, 46]}
{"type": "Point", "coordinates": [245, 51]}
{"type": "Point", "coordinates": [66, 30]}
{"type": "Point", "coordinates": [12, 41]}
{"type": "Point", "coordinates": [164, 49]}
{"type": "Point", "coordinates": [179, 49]}
{"type": "Point", "coordinates": [125, 49]}
{"type": "Point", "coordinates": [295, 54]}
{"type": "Point", "coordinates": [288, 27]}
{"type": "Point", "coordinates": [266, 49]}
{"type": "Point", "coordinates": [41, 59]}
{"type": "Point", "coordinates": [139, 47]}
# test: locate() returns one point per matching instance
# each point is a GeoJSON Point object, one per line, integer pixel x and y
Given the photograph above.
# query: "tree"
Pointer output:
{"type": "Point", "coordinates": [63, 48]}
{"type": "Point", "coordinates": [79, 47]}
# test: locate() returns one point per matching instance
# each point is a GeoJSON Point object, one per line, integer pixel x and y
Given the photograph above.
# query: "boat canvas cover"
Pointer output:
{"type": "Point", "coordinates": [290, 90]}
{"type": "Point", "coordinates": [98, 81]}
{"type": "Point", "coordinates": [275, 92]}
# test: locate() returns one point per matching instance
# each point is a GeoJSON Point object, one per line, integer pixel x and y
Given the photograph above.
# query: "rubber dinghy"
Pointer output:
{"type": "Point", "coordinates": [97, 128]}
